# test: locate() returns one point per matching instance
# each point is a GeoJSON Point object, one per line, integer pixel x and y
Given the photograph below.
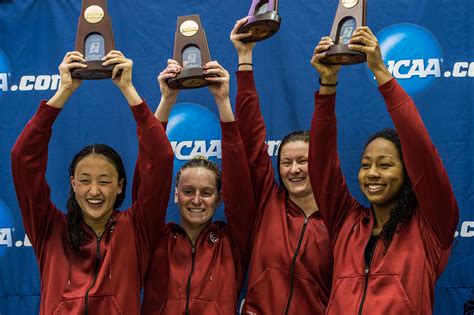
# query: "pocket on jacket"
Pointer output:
{"type": "Point", "coordinates": [103, 304]}
{"type": "Point", "coordinates": [196, 306]}
{"type": "Point", "coordinates": [385, 294]}
{"type": "Point", "coordinates": [269, 294]}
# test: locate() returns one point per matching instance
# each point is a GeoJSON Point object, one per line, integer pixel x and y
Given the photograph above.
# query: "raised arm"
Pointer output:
{"type": "Point", "coordinates": [240, 208]}
{"type": "Point", "coordinates": [29, 158]}
{"type": "Point", "coordinates": [436, 200]}
{"type": "Point", "coordinates": [155, 156]}
{"type": "Point", "coordinates": [328, 183]}
{"type": "Point", "coordinates": [162, 112]}
{"type": "Point", "coordinates": [250, 120]}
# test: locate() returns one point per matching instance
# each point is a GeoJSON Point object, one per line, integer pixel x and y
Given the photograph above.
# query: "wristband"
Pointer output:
{"type": "Point", "coordinates": [245, 64]}
{"type": "Point", "coordinates": [326, 84]}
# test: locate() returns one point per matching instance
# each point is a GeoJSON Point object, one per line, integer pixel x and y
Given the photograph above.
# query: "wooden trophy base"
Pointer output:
{"type": "Point", "coordinates": [262, 26]}
{"type": "Point", "coordinates": [94, 71]}
{"type": "Point", "coordinates": [340, 54]}
{"type": "Point", "coordinates": [189, 78]}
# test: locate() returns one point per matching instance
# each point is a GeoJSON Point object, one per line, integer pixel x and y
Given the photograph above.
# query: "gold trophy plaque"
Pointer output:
{"type": "Point", "coordinates": [191, 52]}
{"type": "Point", "coordinates": [94, 40]}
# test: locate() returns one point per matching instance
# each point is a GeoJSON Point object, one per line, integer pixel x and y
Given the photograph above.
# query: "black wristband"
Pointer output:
{"type": "Point", "coordinates": [245, 64]}
{"type": "Point", "coordinates": [326, 84]}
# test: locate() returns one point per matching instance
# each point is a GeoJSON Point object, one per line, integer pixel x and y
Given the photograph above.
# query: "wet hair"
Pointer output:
{"type": "Point", "coordinates": [74, 211]}
{"type": "Point", "coordinates": [294, 136]}
{"type": "Point", "coordinates": [405, 202]}
{"type": "Point", "coordinates": [202, 161]}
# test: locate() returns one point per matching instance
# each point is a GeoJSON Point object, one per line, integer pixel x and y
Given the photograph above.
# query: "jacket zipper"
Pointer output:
{"type": "Point", "coordinates": [366, 278]}
{"type": "Point", "coordinates": [94, 277]}
{"type": "Point", "coordinates": [293, 263]}
{"type": "Point", "coordinates": [188, 287]}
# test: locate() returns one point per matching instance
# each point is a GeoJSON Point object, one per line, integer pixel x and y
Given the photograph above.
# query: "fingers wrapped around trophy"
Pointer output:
{"type": "Point", "coordinates": [191, 52]}
{"type": "Point", "coordinates": [350, 14]}
{"type": "Point", "coordinates": [94, 40]}
{"type": "Point", "coordinates": [263, 21]}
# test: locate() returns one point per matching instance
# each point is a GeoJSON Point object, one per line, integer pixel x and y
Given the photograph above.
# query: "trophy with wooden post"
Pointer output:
{"type": "Point", "coordinates": [191, 52]}
{"type": "Point", "coordinates": [94, 40]}
{"type": "Point", "coordinates": [349, 15]}
{"type": "Point", "coordinates": [263, 21]}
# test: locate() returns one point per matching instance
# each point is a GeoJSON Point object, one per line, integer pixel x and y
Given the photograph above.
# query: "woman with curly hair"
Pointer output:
{"type": "Point", "coordinates": [387, 257]}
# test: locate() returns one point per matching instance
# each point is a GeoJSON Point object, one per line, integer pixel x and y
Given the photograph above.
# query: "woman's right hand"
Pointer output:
{"type": "Point", "coordinates": [67, 84]}
{"type": "Point", "coordinates": [172, 70]}
{"type": "Point", "coordinates": [327, 73]}
{"type": "Point", "coordinates": [72, 60]}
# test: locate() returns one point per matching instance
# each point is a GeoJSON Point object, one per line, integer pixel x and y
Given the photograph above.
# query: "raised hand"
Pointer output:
{"type": "Point", "coordinates": [219, 77]}
{"type": "Point", "coordinates": [122, 75]}
{"type": "Point", "coordinates": [219, 89]}
{"type": "Point", "coordinates": [67, 84]}
{"type": "Point", "coordinates": [327, 73]}
{"type": "Point", "coordinates": [365, 41]}
{"type": "Point", "coordinates": [241, 47]}
{"type": "Point", "coordinates": [122, 79]}
{"type": "Point", "coordinates": [168, 95]}
{"type": "Point", "coordinates": [172, 70]}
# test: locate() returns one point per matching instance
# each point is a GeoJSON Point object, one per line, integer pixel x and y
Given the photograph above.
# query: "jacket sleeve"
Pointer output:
{"type": "Point", "coordinates": [252, 130]}
{"type": "Point", "coordinates": [430, 182]}
{"type": "Point", "coordinates": [153, 174]}
{"type": "Point", "coordinates": [29, 157]}
{"type": "Point", "coordinates": [237, 190]}
{"type": "Point", "coordinates": [329, 186]}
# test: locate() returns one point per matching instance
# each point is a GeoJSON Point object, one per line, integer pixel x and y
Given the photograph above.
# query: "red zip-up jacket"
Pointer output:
{"type": "Point", "coordinates": [207, 277]}
{"type": "Point", "coordinates": [291, 266]}
{"type": "Point", "coordinates": [107, 274]}
{"type": "Point", "coordinates": [400, 281]}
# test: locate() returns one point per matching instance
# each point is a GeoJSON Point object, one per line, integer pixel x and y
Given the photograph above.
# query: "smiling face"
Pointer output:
{"type": "Point", "coordinates": [294, 169]}
{"type": "Point", "coordinates": [381, 174]}
{"type": "Point", "coordinates": [96, 186]}
{"type": "Point", "coordinates": [197, 197]}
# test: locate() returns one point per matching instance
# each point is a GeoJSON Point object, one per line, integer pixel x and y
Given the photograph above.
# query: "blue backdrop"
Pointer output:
{"type": "Point", "coordinates": [427, 44]}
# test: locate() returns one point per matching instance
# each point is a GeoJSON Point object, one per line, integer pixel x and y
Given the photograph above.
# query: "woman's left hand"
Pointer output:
{"type": "Point", "coordinates": [123, 79]}
{"type": "Point", "coordinates": [220, 80]}
{"type": "Point", "coordinates": [364, 40]}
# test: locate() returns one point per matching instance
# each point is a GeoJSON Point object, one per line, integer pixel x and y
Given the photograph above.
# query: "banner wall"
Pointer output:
{"type": "Point", "coordinates": [427, 45]}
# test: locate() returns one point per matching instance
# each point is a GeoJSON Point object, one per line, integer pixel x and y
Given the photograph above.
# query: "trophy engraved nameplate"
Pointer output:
{"type": "Point", "coordinates": [94, 40]}
{"type": "Point", "coordinates": [349, 15]}
{"type": "Point", "coordinates": [263, 21]}
{"type": "Point", "coordinates": [191, 52]}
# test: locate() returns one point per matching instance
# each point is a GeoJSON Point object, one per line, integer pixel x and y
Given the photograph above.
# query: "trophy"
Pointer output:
{"type": "Point", "coordinates": [191, 52]}
{"type": "Point", "coordinates": [349, 15]}
{"type": "Point", "coordinates": [94, 40]}
{"type": "Point", "coordinates": [263, 21]}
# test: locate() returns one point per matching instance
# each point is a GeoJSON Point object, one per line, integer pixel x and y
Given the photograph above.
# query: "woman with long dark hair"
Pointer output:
{"type": "Point", "coordinates": [199, 264]}
{"type": "Point", "coordinates": [92, 260]}
{"type": "Point", "coordinates": [290, 271]}
{"type": "Point", "coordinates": [387, 257]}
